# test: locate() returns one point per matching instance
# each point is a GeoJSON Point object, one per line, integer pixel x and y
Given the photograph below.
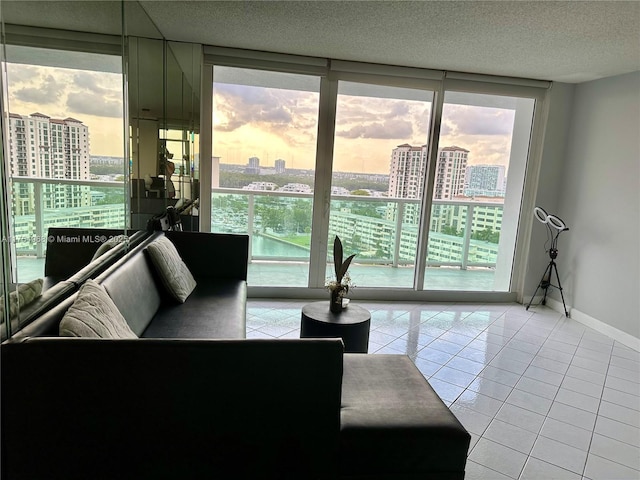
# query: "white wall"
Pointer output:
{"type": "Point", "coordinates": [550, 181]}
{"type": "Point", "coordinates": [599, 199]}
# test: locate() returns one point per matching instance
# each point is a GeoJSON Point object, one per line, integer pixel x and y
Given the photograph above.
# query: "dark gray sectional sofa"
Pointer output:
{"type": "Point", "coordinates": [193, 399]}
{"type": "Point", "coordinates": [69, 263]}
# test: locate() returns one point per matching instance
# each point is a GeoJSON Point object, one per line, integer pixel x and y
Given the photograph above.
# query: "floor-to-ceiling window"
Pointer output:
{"type": "Point", "coordinates": [477, 191]}
{"type": "Point", "coordinates": [379, 166]}
{"type": "Point", "coordinates": [420, 173]}
{"type": "Point", "coordinates": [264, 145]}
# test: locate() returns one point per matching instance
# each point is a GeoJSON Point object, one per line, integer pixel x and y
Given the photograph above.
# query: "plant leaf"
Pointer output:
{"type": "Point", "coordinates": [337, 257]}
{"type": "Point", "coordinates": [345, 266]}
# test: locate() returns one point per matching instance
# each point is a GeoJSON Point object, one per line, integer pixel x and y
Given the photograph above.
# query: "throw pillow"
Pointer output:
{"type": "Point", "coordinates": [93, 314]}
{"type": "Point", "coordinates": [108, 245]}
{"type": "Point", "coordinates": [175, 275]}
{"type": "Point", "coordinates": [21, 297]}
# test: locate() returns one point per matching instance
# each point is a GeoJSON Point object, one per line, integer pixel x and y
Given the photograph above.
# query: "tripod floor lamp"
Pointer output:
{"type": "Point", "coordinates": [555, 227]}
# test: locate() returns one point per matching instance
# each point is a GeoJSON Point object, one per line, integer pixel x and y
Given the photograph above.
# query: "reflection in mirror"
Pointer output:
{"type": "Point", "coordinates": [5, 327]}
{"type": "Point", "coordinates": [66, 159]}
{"type": "Point", "coordinates": [63, 130]}
{"type": "Point", "coordinates": [164, 113]}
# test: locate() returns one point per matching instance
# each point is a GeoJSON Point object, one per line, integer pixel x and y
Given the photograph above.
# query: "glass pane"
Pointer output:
{"type": "Point", "coordinates": [484, 141]}
{"type": "Point", "coordinates": [66, 159]}
{"type": "Point", "coordinates": [264, 146]}
{"type": "Point", "coordinates": [379, 167]}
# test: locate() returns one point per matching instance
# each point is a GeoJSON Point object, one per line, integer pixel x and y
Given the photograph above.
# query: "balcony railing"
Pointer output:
{"type": "Point", "coordinates": [40, 203]}
{"type": "Point", "coordinates": [381, 230]}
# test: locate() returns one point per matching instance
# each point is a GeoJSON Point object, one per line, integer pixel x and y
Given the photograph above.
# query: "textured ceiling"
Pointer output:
{"type": "Point", "coordinates": [568, 41]}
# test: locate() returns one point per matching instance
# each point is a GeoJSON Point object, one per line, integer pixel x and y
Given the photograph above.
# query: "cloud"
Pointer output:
{"type": "Point", "coordinates": [398, 109]}
{"type": "Point", "coordinates": [92, 82]}
{"type": "Point", "coordinates": [94, 104]}
{"type": "Point", "coordinates": [18, 73]}
{"type": "Point", "coordinates": [273, 110]}
{"type": "Point", "coordinates": [396, 129]}
{"type": "Point", "coordinates": [470, 120]}
{"type": "Point", "coordinates": [46, 93]}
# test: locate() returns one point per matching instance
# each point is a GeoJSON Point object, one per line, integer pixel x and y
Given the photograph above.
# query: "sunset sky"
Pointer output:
{"type": "Point", "coordinates": [95, 98]}
{"type": "Point", "coordinates": [270, 123]}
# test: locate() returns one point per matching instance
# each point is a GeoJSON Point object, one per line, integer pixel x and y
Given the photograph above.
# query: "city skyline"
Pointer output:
{"type": "Point", "coordinates": [284, 124]}
{"type": "Point", "coordinates": [269, 123]}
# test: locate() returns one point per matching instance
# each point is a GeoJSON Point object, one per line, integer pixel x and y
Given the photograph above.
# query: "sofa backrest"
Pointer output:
{"type": "Point", "coordinates": [70, 249]}
{"type": "Point", "coordinates": [217, 255]}
{"type": "Point", "coordinates": [134, 287]}
{"type": "Point", "coordinates": [131, 409]}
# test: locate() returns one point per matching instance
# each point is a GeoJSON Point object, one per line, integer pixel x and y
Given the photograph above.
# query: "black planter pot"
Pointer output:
{"type": "Point", "coordinates": [336, 299]}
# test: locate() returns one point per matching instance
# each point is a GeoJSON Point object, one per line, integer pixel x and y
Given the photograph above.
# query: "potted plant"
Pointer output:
{"type": "Point", "coordinates": [340, 286]}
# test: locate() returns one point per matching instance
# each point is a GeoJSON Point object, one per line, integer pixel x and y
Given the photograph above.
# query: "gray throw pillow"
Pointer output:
{"type": "Point", "coordinates": [94, 315]}
{"type": "Point", "coordinates": [21, 297]}
{"type": "Point", "coordinates": [175, 275]}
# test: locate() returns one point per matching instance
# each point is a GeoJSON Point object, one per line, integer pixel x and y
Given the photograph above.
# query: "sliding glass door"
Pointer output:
{"type": "Point", "coordinates": [477, 191]}
{"type": "Point", "coordinates": [379, 165]}
{"type": "Point", "coordinates": [421, 176]}
{"type": "Point", "coordinates": [264, 145]}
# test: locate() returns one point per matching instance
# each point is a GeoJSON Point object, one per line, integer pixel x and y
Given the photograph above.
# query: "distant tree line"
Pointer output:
{"type": "Point", "coordinates": [239, 180]}
{"type": "Point", "coordinates": [106, 169]}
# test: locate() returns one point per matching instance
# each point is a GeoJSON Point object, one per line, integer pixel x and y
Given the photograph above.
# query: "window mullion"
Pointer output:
{"type": "Point", "coordinates": [322, 185]}
{"type": "Point", "coordinates": [427, 197]}
{"type": "Point", "coordinates": [206, 147]}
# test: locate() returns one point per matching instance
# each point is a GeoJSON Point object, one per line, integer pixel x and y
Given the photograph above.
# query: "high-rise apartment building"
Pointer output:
{"type": "Point", "coordinates": [407, 176]}
{"type": "Point", "coordinates": [253, 166]}
{"type": "Point", "coordinates": [280, 166]}
{"type": "Point", "coordinates": [406, 179]}
{"type": "Point", "coordinates": [48, 148]}
{"type": "Point", "coordinates": [485, 181]}
{"type": "Point", "coordinates": [450, 173]}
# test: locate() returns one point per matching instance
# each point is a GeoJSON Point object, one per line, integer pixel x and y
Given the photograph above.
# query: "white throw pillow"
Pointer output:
{"type": "Point", "coordinates": [94, 315]}
{"type": "Point", "coordinates": [175, 275]}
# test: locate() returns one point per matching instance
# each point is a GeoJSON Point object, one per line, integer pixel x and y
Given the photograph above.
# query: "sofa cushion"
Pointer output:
{"type": "Point", "coordinates": [133, 285]}
{"type": "Point", "coordinates": [22, 296]}
{"type": "Point", "coordinates": [94, 315]}
{"type": "Point", "coordinates": [215, 309]}
{"type": "Point", "coordinates": [394, 425]}
{"type": "Point", "coordinates": [173, 272]}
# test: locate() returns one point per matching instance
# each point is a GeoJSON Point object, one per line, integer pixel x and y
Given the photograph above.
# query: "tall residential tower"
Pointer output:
{"type": "Point", "coordinates": [407, 176]}
{"type": "Point", "coordinates": [44, 147]}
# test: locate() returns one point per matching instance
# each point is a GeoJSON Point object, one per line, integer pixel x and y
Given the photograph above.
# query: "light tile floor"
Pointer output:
{"type": "Point", "coordinates": [543, 396]}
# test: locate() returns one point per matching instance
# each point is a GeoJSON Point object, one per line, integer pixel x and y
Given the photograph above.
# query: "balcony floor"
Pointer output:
{"type": "Point", "coordinates": [437, 278]}
{"type": "Point", "coordinates": [293, 274]}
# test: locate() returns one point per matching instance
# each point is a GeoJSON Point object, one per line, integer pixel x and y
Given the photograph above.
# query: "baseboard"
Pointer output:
{"type": "Point", "coordinates": [598, 325]}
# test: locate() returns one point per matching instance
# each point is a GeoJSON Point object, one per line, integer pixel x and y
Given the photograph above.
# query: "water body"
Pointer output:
{"type": "Point", "coordinates": [268, 247]}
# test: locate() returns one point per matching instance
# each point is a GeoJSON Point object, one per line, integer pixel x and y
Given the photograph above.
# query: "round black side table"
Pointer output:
{"type": "Point", "coordinates": [352, 325]}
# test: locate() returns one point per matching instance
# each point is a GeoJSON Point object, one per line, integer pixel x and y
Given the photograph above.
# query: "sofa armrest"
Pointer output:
{"type": "Point", "coordinates": [214, 255]}
{"type": "Point", "coordinates": [131, 409]}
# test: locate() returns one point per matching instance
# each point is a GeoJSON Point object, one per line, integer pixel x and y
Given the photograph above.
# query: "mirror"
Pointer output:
{"type": "Point", "coordinates": [164, 116]}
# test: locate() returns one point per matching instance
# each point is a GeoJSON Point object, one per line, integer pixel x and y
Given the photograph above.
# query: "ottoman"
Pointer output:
{"type": "Point", "coordinates": [394, 425]}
